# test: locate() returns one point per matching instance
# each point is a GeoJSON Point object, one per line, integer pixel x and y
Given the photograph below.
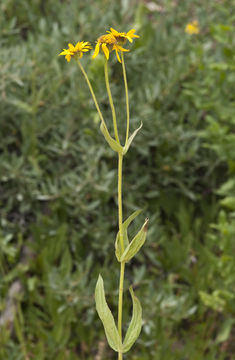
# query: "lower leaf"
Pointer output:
{"type": "Point", "coordinates": [106, 317]}
{"type": "Point", "coordinates": [135, 324]}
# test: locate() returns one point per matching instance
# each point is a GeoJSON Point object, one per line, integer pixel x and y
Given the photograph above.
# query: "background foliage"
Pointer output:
{"type": "Point", "coordinates": [58, 179]}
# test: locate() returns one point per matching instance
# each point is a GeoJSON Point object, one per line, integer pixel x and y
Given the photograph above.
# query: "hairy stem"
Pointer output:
{"type": "Point", "coordinates": [122, 269]}
{"type": "Point", "coordinates": [127, 98]}
{"type": "Point", "coordinates": [111, 100]}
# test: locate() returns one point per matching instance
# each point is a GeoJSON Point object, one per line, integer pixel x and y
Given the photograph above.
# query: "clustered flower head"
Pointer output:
{"type": "Point", "coordinates": [108, 43]}
{"type": "Point", "coordinates": [112, 41]}
{"type": "Point", "coordinates": [192, 28]}
{"type": "Point", "coordinates": [121, 37]}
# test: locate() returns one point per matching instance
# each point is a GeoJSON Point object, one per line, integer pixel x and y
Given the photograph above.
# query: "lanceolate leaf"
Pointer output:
{"type": "Point", "coordinates": [107, 317]}
{"type": "Point", "coordinates": [131, 138]}
{"type": "Point", "coordinates": [135, 324]}
{"type": "Point", "coordinates": [125, 225]}
{"type": "Point", "coordinates": [135, 244]}
{"type": "Point", "coordinates": [112, 143]}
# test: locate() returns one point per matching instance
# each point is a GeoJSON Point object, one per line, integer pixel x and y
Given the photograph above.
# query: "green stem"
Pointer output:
{"type": "Point", "coordinates": [120, 300]}
{"type": "Point", "coordinates": [122, 269]}
{"type": "Point", "coordinates": [111, 100]}
{"type": "Point", "coordinates": [127, 99]}
{"type": "Point", "coordinates": [120, 159]}
{"type": "Point", "coordinates": [92, 92]}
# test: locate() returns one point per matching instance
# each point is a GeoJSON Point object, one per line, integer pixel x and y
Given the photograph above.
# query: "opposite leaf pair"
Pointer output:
{"type": "Point", "coordinates": [115, 146]}
{"type": "Point", "coordinates": [107, 319]}
{"type": "Point", "coordinates": [130, 249]}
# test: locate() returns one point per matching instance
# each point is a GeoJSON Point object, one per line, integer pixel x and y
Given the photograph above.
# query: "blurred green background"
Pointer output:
{"type": "Point", "coordinates": [58, 195]}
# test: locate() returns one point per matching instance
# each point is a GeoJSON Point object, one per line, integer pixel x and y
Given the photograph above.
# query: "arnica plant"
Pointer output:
{"type": "Point", "coordinates": [125, 250]}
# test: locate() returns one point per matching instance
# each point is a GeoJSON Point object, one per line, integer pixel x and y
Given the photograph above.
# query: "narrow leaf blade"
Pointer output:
{"type": "Point", "coordinates": [131, 138]}
{"type": "Point", "coordinates": [112, 143]}
{"type": "Point", "coordinates": [106, 317]}
{"type": "Point", "coordinates": [131, 218]}
{"type": "Point", "coordinates": [134, 328]}
{"type": "Point", "coordinates": [118, 250]}
{"type": "Point", "coordinates": [135, 244]}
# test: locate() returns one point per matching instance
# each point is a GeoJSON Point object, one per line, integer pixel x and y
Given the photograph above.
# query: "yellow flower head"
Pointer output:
{"type": "Point", "coordinates": [78, 50]}
{"type": "Point", "coordinates": [121, 37]}
{"type": "Point", "coordinates": [192, 28]}
{"type": "Point", "coordinates": [108, 43]}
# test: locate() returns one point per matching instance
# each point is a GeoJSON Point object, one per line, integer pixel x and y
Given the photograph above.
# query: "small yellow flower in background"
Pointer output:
{"type": "Point", "coordinates": [108, 43]}
{"type": "Point", "coordinates": [78, 49]}
{"type": "Point", "coordinates": [121, 37]}
{"type": "Point", "coordinates": [192, 28]}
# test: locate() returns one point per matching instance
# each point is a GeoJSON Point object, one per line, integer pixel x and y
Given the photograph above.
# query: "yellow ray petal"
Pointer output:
{"type": "Point", "coordinates": [78, 47]}
{"type": "Point", "coordinates": [131, 33]}
{"type": "Point", "coordinates": [118, 57]}
{"type": "Point", "coordinates": [63, 52]}
{"type": "Point", "coordinates": [105, 50]}
{"type": "Point", "coordinates": [115, 32]}
{"type": "Point", "coordinates": [71, 47]}
{"type": "Point", "coordinates": [68, 57]}
{"type": "Point", "coordinates": [97, 49]}
{"type": "Point", "coordinates": [120, 48]}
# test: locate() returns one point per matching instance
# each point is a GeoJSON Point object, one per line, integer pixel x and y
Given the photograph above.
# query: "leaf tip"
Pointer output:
{"type": "Point", "coordinates": [146, 225]}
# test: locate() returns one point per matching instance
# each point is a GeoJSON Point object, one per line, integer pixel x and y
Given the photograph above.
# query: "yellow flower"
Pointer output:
{"type": "Point", "coordinates": [108, 43]}
{"type": "Point", "coordinates": [121, 37]}
{"type": "Point", "coordinates": [78, 50]}
{"type": "Point", "coordinates": [192, 28]}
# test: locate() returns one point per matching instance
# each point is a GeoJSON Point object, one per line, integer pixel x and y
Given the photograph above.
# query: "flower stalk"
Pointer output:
{"type": "Point", "coordinates": [91, 91]}
{"type": "Point", "coordinates": [111, 100]}
{"type": "Point", "coordinates": [127, 99]}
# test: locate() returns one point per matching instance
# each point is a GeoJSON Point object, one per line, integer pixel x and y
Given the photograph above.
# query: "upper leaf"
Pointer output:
{"type": "Point", "coordinates": [118, 250]}
{"type": "Point", "coordinates": [107, 317]}
{"type": "Point", "coordinates": [135, 244]}
{"type": "Point", "coordinates": [112, 143]}
{"type": "Point", "coordinates": [131, 138]}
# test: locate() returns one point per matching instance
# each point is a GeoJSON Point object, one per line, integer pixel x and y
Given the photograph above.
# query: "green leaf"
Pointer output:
{"type": "Point", "coordinates": [112, 143]}
{"type": "Point", "coordinates": [131, 138]}
{"type": "Point", "coordinates": [228, 202]}
{"type": "Point", "coordinates": [135, 324]}
{"type": "Point", "coordinates": [22, 105]}
{"type": "Point", "coordinates": [106, 317]}
{"type": "Point", "coordinates": [118, 250]}
{"type": "Point", "coordinates": [213, 301]}
{"type": "Point", "coordinates": [135, 244]}
{"type": "Point", "coordinates": [225, 331]}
